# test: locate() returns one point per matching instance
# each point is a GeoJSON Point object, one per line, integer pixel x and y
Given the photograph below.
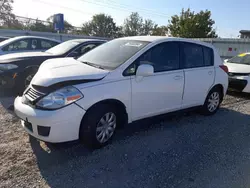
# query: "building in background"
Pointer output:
{"type": "Point", "coordinates": [244, 34]}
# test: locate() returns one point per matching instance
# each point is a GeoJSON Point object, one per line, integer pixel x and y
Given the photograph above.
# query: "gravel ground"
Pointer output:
{"type": "Point", "coordinates": [183, 150]}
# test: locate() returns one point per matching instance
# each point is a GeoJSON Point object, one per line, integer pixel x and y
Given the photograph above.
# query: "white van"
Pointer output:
{"type": "Point", "coordinates": [119, 82]}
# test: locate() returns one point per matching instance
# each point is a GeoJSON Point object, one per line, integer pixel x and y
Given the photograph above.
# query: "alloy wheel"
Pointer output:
{"type": "Point", "coordinates": [213, 101]}
{"type": "Point", "coordinates": [106, 127]}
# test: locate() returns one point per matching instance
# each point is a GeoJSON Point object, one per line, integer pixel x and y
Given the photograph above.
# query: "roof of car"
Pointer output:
{"type": "Point", "coordinates": [7, 41]}
{"type": "Point", "coordinates": [24, 37]}
{"type": "Point", "coordinates": [86, 40]}
{"type": "Point", "coordinates": [165, 38]}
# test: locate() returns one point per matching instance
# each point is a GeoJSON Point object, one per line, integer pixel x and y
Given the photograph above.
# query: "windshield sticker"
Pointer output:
{"type": "Point", "coordinates": [242, 55]}
{"type": "Point", "coordinates": [133, 44]}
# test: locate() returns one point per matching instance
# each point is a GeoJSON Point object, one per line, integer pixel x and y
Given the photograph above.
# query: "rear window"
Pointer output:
{"type": "Point", "coordinates": [240, 59]}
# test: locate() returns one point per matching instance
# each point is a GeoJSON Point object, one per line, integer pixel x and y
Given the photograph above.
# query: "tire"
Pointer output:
{"type": "Point", "coordinates": [25, 79]}
{"type": "Point", "coordinates": [95, 124]}
{"type": "Point", "coordinates": [212, 102]}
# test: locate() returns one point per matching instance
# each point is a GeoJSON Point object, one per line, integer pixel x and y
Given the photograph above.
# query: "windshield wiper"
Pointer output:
{"type": "Point", "coordinates": [92, 64]}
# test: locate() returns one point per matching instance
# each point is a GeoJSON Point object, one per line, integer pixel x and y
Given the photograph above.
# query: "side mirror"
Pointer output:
{"type": "Point", "coordinates": [145, 70]}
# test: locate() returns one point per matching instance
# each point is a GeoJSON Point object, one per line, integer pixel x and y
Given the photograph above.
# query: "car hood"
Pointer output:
{"type": "Point", "coordinates": [59, 70]}
{"type": "Point", "coordinates": [23, 55]}
{"type": "Point", "coordinates": [238, 68]}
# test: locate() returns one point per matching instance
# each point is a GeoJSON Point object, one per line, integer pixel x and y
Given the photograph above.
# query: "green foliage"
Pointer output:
{"type": "Point", "coordinates": [188, 24]}
{"type": "Point", "coordinates": [160, 30]}
{"type": "Point", "coordinates": [100, 25]}
{"type": "Point", "coordinates": [7, 19]}
{"type": "Point", "coordinates": [191, 25]}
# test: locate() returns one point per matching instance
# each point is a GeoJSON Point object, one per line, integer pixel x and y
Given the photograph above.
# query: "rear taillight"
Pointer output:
{"type": "Point", "coordinates": [224, 67]}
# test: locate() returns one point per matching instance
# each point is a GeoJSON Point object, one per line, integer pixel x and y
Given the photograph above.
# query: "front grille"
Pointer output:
{"type": "Point", "coordinates": [33, 94]}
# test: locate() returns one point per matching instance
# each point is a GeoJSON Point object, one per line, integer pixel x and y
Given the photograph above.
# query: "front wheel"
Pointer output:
{"type": "Point", "coordinates": [212, 102]}
{"type": "Point", "coordinates": [99, 126]}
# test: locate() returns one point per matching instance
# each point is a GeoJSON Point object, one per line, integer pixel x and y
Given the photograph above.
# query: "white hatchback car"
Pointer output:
{"type": "Point", "coordinates": [239, 72]}
{"type": "Point", "coordinates": [119, 82]}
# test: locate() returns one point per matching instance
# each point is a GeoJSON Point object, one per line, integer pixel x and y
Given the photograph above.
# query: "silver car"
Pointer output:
{"type": "Point", "coordinates": [26, 44]}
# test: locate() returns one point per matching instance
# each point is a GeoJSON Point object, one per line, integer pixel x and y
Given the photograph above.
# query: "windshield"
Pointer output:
{"type": "Point", "coordinates": [114, 53]}
{"type": "Point", "coordinates": [63, 47]}
{"type": "Point", "coordinates": [240, 59]}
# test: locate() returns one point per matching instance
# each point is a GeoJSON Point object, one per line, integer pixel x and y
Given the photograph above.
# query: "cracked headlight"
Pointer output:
{"type": "Point", "coordinates": [60, 98]}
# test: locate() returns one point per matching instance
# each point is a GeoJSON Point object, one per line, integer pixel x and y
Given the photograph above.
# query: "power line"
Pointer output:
{"type": "Point", "coordinates": [119, 7]}
{"type": "Point", "coordinates": [69, 8]}
{"type": "Point", "coordinates": [142, 9]}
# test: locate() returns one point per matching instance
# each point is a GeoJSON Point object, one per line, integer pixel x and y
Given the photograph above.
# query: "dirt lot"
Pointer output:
{"type": "Point", "coordinates": [185, 150]}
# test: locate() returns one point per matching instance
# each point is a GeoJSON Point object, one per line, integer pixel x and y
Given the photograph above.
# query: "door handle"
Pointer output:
{"type": "Point", "coordinates": [210, 72]}
{"type": "Point", "coordinates": [178, 77]}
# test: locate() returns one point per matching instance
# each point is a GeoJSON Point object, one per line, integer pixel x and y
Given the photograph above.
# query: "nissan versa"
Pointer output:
{"type": "Point", "coordinates": [119, 82]}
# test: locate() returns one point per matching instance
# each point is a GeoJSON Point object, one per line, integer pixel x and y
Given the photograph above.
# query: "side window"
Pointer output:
{"type": "Point", "coordinates": [193, 55]}
{"type": "Point", "coordinates": [19, 45]}
{"type": "Point", "coordinates": [45, 44]}
{"type": "Point", "coordinates": [35, 44]}
{"type": "Point", "coordinates": [208, 56]}
{"type": "Point", "coordinates": [163, 57]}
{"type": "Point", "coordinates": [84, 49]}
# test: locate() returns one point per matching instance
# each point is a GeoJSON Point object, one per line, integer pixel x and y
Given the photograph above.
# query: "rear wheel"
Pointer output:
{"type": "Point", "coordinates": [212, 102]}
{"type": "Point", "coordinates": [99, 126]}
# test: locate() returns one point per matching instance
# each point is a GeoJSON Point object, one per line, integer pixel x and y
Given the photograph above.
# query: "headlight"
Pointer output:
{"type": "Point", "coordinates": [60, 98]}
{"type": "Point", "coordinates": [7, 66]}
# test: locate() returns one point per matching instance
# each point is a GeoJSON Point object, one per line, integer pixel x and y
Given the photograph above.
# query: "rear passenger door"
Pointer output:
{"type": "Point", "coordinates": [199, 73]}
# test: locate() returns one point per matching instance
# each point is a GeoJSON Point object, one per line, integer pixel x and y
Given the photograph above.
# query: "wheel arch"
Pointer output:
{"type": "Point", "coordinates": [120, 107]}
{"type": "Point", "coordinates": [220, 88]}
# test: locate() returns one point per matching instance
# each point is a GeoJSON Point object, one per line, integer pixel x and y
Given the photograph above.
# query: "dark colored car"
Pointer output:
{"type": "Point", "coordinates": [17, 70]}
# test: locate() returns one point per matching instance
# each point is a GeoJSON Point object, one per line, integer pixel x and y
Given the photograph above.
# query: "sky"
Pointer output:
{"type": "Point", "coordinates": [230, 16]}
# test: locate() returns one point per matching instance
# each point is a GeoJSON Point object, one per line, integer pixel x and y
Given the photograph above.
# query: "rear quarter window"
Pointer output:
{"type": "Point", "coordinates": [208, 56]}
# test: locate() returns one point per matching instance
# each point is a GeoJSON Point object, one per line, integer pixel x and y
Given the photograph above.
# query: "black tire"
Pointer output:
{"type": "Point", "coordinates": [88, 130]}
{"type": "Point", "coordinates": [206, 109]}
{"type": "Point", "coordinates": [22, 82]}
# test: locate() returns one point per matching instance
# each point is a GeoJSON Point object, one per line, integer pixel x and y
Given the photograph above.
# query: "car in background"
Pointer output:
{"type": "Point", "coordinates": [3, 38]}
{"type": "Point", "coordinates": [239, 72]}
{"type": "Point", "coordinates": [121, 81]}
{"type": "Point", "coordinates": [17, 70]}
{"type": "Point", "coordinates": [26, 44]}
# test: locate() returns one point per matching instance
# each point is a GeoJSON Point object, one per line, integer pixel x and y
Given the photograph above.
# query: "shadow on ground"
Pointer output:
{"type": "Point", "coordinates": [185, 150]}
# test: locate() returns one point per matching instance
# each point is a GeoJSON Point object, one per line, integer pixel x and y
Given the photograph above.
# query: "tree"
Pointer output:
{"type": "Point", "coordinates": [160, 31]}
{"type": "Point", "coordinates": [148, 27]}
{"type": "Point", "coordinates": [40, 26]}
{"type": "Point", "coordinates": [133, 25]}
{"type": "Point", "coordinates": [7, 19]}
{"type": "Point", "coordinates": [191, 25]}
{"type": "Point", "coordinates": [101, 25]}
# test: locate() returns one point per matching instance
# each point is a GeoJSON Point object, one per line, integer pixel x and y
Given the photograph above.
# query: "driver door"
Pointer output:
{"type": "Point", "coordinates": [161, 92]}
